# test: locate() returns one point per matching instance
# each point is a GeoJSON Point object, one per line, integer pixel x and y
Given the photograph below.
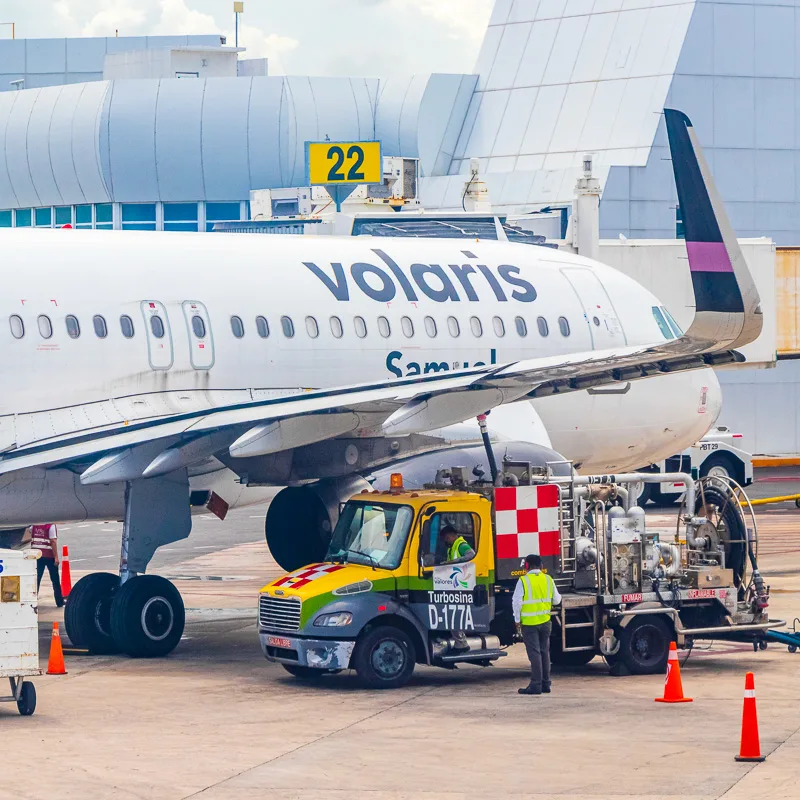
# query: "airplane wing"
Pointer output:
{"type": "Point", "coordinates": [728, 315]}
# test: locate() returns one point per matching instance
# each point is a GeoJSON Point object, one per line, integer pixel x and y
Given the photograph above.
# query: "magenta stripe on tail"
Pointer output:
{"type": "Point", "coordinates": [708, 257]}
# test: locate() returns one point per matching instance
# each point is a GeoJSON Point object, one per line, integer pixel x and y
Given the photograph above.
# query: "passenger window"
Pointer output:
{"type": "Point", "coordinates": [157, 326]}
{"type": "Point", "coordinates": [360, 326]}
{"type": "Point", "coordinates": [434, 546]}
{"type": "Point", "coordinates": [262, 327]}
{"type": "Point", "coordinates": [453, 326]}
{"type": "Point", "coordinates": [237, 327]}
{"type": "Point", "coordinates": [544, 328]}
{"type": "Point", "coordinates": [522, 327]}
{"type": "Point", "coordinates": [126, 326]}
{"type": "Point", "coordinates": [384, 328]}
{"type": "Point", "coordinates": [563, 326]}
{"type": "Point", "coordinates": [475, 325]}
{"type": "Point", "coordinates": [17, 326]}
{"type": "Point", "coordinates": [288, 327]}
{"type": "Point", "coordinates": [312, 328]}
{"type": "Point", "coordinates": [430, 327]}
{"type": "Point", "coordinates": [45, 327]}
{"type": "Point", "coordinates": [408, 327]}
{"type": "Point", "coordinates": [337, 329]}
{"type": "Point", "coordinates": [499, 326]}
{"type": "Point", "coordinates": [100, 327]}
{"type": "Point", "coordinates": [73, 326]}
{"type": "Point", "coordinates": [199, 327]}
{"type": "Point", "coordinates": [662, 323]}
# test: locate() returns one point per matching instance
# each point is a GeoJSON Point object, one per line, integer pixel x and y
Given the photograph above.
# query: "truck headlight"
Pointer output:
{"type": "Point", "coordinates": [334, 620]}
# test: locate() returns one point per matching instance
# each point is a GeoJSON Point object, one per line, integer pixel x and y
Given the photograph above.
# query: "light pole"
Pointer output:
{"type": "Point", "coordinates": [238, 8]}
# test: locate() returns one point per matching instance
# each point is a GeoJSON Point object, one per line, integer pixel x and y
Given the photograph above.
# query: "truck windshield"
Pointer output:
{"type": "Point", "coordinates": [371, 533]}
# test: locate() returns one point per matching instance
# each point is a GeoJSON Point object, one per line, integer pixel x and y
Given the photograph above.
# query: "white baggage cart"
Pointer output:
{"type": "Point", "coordinates": [19, 627]}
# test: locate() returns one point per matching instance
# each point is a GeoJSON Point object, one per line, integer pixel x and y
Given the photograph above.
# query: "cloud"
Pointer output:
{"type": "Point", "coordinates": [464, 17]}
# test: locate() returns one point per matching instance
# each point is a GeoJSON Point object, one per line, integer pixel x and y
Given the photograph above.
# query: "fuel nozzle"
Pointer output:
{"type": "Point", "coordinates": [760, 592]}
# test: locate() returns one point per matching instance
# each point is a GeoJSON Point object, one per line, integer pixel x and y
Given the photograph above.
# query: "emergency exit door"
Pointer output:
{"type": "Point", "coordinates": [201, 340]}
{"type": "Point", "coordinates": [601, 318]}
{"type": "Point", "coordinates": [159, 334]}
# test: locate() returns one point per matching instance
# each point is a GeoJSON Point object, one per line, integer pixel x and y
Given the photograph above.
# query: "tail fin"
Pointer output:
{"type": "Point", "coordinates": [727, 313]}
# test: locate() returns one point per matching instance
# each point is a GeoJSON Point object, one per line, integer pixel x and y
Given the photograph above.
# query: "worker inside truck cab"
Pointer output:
{"type": "Point", "coordinates": [458, 550]}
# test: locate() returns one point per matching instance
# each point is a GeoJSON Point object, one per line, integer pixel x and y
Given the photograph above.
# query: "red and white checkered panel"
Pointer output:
{"type": "Point", "coordinates": [302, 577]}
{"type": "Point", "coordinates": [526, 520]}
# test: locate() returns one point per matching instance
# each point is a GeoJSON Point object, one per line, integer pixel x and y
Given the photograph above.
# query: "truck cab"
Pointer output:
{"type": "Point", "coordinates": [386, 597]}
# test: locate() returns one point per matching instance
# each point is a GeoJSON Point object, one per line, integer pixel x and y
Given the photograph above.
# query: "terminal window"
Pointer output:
{"type": "Point", "coordinates": [5, 219]}
{"type": "Point", "coordinates": [43, 217]}
{"type": "Point", "coordinates": [63, 215]}
{"type": "Point", "coordinates": [221, 212]}
{"type": "Point", "coordinates": [83, 216]}
{"type": "Point", "coordinates": [138, 216]}
{"type": "Point", "coordinates": [180, 216]}
{"type": "Point", "coordinates": [104, 216]}
{"type": "Point", "coordinates": [22, 218]}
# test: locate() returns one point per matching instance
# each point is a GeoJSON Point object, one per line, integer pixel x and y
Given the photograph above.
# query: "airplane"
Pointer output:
{"type": "Point", "coordinates": [135, 364]}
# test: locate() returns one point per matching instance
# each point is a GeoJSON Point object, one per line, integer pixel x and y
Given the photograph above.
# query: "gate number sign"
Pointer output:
{"type": "Point", "coordinates": [343, 163]}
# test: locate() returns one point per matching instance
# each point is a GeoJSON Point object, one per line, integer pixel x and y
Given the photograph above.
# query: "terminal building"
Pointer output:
{"type": "Point", "coordinates": [119, 145]}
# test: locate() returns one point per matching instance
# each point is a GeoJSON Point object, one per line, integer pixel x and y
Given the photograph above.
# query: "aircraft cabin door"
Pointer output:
{"type": "Point", "coordinates": [605, 328]}
{"type": "Point", "coordinates": [159, 334]}
{"type": "Point", "coordinates": [201, 341]}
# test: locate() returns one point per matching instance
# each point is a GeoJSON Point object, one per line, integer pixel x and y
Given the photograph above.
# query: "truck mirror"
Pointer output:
{"type": "Point", "coordinates": [428, 560]}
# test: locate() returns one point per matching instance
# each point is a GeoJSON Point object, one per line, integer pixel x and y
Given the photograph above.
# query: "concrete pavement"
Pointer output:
{"type": "Point", "coordinates": [216, 721]}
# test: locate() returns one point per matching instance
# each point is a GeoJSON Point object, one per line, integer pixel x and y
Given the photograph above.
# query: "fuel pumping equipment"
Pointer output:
{"type": "Point", "coordinates": [385, 598]}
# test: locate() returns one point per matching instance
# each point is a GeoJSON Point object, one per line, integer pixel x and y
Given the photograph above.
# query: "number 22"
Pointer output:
{"type": "Point", "coordinates": [336, 154]}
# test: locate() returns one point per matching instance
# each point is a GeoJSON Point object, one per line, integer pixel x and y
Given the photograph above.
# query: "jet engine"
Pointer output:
{"type": "Point", "coordinates": [300, 519]}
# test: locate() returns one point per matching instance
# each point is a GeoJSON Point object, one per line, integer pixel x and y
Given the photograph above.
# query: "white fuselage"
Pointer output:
{"type": "Point", "coordinates": [335, 311]}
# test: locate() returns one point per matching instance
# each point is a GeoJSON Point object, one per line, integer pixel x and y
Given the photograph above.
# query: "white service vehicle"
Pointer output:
{"type": "Point", "coordinates": [19, 626]}
{"type": "Point", "coordinates": [717, 455]}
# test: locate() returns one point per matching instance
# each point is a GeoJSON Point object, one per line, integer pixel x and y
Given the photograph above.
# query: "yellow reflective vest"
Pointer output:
{"type": "Point", "coordinates": [452, 553]}
{"type": "Point", "coordinates": [537, 598]}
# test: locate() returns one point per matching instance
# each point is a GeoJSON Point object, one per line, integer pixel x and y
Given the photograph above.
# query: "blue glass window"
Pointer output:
{"type": "Point", "coordinates": [138, 216]}
{"type": "Point", "coordinates": [22, 218]}
{"type": "Point", "coordinates": [180, 216]}
{"type": "Point", "coordinates": [63, 215]}
{"type": "Point", "coordinates": [44, 217]}
{"type": "Point", "coordinates": [83, 216]}
{"type": "Point", "coordinates": [5, 219]}
{"type": "Point", "coordinates": [662, 323]}
{"type": "Point", "coordinates": [221, 212]}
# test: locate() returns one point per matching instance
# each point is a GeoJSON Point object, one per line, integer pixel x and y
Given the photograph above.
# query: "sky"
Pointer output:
{"type": "Point", "coordinates": [311, 37]}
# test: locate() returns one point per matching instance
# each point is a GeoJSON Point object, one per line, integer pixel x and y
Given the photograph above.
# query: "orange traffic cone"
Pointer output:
{"type": "Point", "coordinates": [66, 574]}
{"type": "Point", "coordinates": [673, 688]}
{"type": "Point", "coordinates": [749, 748]}
{"type": "Point", "coordinates": [56, 666]}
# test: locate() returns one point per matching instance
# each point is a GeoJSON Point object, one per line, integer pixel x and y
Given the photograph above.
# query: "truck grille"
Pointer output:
{"type": "Point", "coordinates": [277, 614]}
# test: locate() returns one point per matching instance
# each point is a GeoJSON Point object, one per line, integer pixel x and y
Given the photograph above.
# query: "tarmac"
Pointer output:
{"type": "Point", "coordinates": [216, 721]}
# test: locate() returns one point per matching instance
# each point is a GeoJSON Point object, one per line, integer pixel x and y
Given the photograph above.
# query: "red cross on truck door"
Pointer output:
{"type": "Point", "coordinates": [526, 521]}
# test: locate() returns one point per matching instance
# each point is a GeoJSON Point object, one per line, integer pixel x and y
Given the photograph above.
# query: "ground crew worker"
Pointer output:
{"type": "Point", "coordinates": [534, 596]}
{"type": "Point", "coordinates": [45, 538]}
{"type": "Point", "coordinates": [458, 551]}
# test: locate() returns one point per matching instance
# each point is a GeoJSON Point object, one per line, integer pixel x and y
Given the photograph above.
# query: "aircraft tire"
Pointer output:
{"type": "Point", "coordinates": [87, 613]}
{"type": "Point", "coordinates": [147, 617]}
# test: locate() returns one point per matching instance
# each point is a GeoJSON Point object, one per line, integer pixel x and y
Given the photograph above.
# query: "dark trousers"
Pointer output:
{"type": "Point", "coordinates": [537, 644]}
{"type": "Point", "coordinates": [50, 563]}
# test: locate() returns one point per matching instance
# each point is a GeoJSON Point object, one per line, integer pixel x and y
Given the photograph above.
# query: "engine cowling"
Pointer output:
{"type": "Point", "coordinates": [300, 519]}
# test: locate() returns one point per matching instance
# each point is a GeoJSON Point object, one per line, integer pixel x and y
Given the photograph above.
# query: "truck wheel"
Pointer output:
{"type": "Point", "coordinates": [384, 658]}
{"type": "Point", "coordinates": [147, 616]}
{"type": "Point", "coordinates": [26, 704]}
{"type": "Point", "coordinates": [720, 466]}
{"type": "Point", "coordinates": [644, 493]}
{"type": "Point", "coordinates": [644, 645]}
{"type": "Point", "coordinates": [304, 673]}
{"type": "Point", "coordinates": [87, 613]}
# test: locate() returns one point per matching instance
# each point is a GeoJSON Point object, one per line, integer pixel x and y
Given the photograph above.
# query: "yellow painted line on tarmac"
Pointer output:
{"type": "Point", "coordinates": [759, 462]}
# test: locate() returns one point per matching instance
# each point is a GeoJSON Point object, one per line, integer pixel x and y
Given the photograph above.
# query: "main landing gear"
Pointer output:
{"type": "Point", "coordinates": [140, 615]}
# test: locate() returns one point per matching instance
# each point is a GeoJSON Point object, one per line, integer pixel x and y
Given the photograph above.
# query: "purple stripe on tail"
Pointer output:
{"type": "Point", "coordinates": [708, 257]}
